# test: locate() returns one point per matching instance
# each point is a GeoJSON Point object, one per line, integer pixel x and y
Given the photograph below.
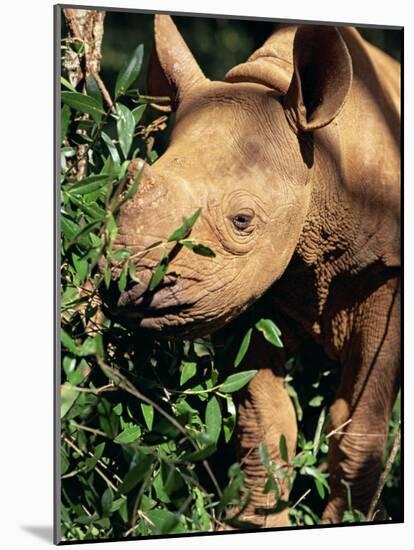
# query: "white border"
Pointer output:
{"type": "Point", "coordinates": [27, 271]}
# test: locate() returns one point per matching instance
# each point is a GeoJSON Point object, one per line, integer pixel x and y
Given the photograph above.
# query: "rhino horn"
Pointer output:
{"type": "Point", "coordinates": [172, 69]}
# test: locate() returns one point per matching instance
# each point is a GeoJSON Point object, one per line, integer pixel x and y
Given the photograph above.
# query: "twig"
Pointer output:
{"type": "Point", "coordinates": [95, 391]}
{"type": "Point", "coordinates": [104, 91]}
{"type": "Point", "coordinates": [360, 434]}
{"type": "Point", "coordinates": [246, 456]}
{"type": "Point", "coordinates": [212, 477]}
{"type": "Point", "coordinates": [72, 23]}
{"type": "Point", "coordinates": [126, 385]}
{"type": "Point", "coordinates": [98, 471]}
{"type": "Point", "coordinates": [137, 503]}
{"type": "Point", "coordinates": [305, 494]}
{"type": "Point", "coordinates": [336, 430]}
{"type": "Point", "coordinates": [384, 475]}
{"type": "Point", "coordinates": [87, 429]}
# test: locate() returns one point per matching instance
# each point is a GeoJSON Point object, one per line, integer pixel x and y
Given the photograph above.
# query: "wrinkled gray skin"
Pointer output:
{"type": "Point", "coordinates": [294, 160]}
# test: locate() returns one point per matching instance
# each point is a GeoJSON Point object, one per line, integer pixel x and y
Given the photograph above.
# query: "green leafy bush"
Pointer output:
{"type": "Point", "coordinates": [146, 424]}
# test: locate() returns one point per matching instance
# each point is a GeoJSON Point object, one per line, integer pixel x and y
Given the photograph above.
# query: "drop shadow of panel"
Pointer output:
{"type": "Point", "coordinates": [42, 532]}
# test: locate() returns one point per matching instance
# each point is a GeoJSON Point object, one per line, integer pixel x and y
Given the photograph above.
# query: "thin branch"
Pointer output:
{"type": "Point", "coordinates": [360, 434]}
{"type": "Point", "coordinates": [123, 383]}
{"type": "Point", "coordinates": [305, 494]}
{"type": "Point", "coordinates": [212, 477]}
{"type": "Point", "coordinates": [95, 391]}
{"type": "Point", "coordinates": [70, 16]}
{"type": "Point", "coordinates": [98, 471]}
{"type": "Point", "coordinates": [87, 429]}
{"type": "Point", "coordinates": [385, 474]}
{"type": "Point", "coordinates": [104, 91]}
{"type": "Point", "coordinates": [336, 430]}
{"type": "Point", "coordinates": [137, 503]}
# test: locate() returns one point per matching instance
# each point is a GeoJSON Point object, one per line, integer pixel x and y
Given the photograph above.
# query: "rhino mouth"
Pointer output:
{"type": "Point", "coordinates": [137, 303]}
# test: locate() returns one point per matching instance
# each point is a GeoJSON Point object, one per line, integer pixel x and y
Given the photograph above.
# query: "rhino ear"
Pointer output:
{"type": "Point", "coordinates": [322, 77]}
{"type": "Point", "coordinates": [172, 69]}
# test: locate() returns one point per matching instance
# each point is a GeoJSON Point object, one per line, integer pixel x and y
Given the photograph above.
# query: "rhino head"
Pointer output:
{"type": "Point", "coordinates": [241, 150]}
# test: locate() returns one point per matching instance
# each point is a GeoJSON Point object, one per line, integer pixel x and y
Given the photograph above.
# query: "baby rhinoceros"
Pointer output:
{"type": "Point", "coordinates": [294, 161]}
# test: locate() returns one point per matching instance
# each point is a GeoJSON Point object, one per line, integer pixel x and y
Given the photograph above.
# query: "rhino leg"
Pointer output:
{"type": "Point", "coordinates": [370, 381]}
{"type": "Point", "coordinates": [264, 413]}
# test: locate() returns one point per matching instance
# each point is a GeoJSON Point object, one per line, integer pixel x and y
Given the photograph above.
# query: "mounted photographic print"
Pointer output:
{"type": "Point", "coordinates": [229, 225]}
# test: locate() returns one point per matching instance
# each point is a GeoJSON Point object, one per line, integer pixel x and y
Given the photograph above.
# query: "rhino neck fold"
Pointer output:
{"type": "Point", "coordinates": [338, 247]}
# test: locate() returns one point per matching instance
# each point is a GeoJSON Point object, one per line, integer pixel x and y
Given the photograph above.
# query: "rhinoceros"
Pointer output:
{"type": "Point", "coordinates": [294, 159]}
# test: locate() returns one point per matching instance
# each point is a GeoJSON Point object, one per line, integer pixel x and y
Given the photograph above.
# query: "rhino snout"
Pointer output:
{"type": "Point", "coordinates": [140, 303]}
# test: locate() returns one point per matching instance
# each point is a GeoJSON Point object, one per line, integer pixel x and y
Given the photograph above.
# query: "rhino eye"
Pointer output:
{"type": "Point", "coordinates": [242, 221]}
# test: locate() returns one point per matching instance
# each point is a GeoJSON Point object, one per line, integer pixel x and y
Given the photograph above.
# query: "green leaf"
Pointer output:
{"type": "Point", "coordinates": [121, 254]}
{"type": "Point", "coordinates": [69, 343]}
{"type": "Point", "coordinates": [86, 520]}
{"type": "Point", "coordinates": [229, 422]}
{"type": "Point", "coordinates": [243, 348]}
{"type": "Point", "coordinates": [201, 454]}
{"type": "Point", "coordinates": [315, 473]}
{"type": "Point", "coordinates": [68, 227]}
{"type": "Point", "coordinates": [90, 179]}
{"type": "Point", "coordinates": [148, 413]}
{"type": "Point", "coordinates": [283, 448]}
{"type": "Point", "coordinates": [188, 370]}
{"type": "Point", "coordinates": [236, 381]}
{"type": "Point", "coordinates": [159, 272]}
{"type": "Point", "coordinates": [198, 248]}
{"type": "Point", "coordinates": [81, 266]}
{"type": "Point", "coordinates": [138, 112]}
{"type": "Point", "coordinates": [320, 488]}
{"type": "Point", "coordinates": [88, 185]}
{"type": "Point", "coordinates": [185, 229]}
{"type": "Point", "coordinates": [118, 409]}
{"type": "Point", "coordinates": [116, 505]}
{"type": "Point", "coordinates": [129, 435]}
{"type": "Point", "coordinates": [88, 347]}
{"type": "Point", "coordinates": [264, 456]}
{"type": "Point", "coordinates": [111, 227]}
{"type": "Point", "coordinates": [107, 277]}
{"type": "Point", "coordinates": [303, 459]}
{"type": "Point", "coordinates": [160, 492]}
{"type": "Point", "coordinates": [293, 394]}
{"type": "Point", "coordinates": [106, 501]}
{"type": "Point", "coordinates": [137, 472]}
{"type": "Point", "coordinates": [125, 126]}
{"type": "Point", "coordinates": [80, 236]}
{"type": "Point", "coordinates": [68, 396]}
{"type": "Point", "coordinates": [64, 121]}
{"type": "Point", "coordinates": [77, 45]}
{"type": "Point", "coordinates": [129, 72]}
{"type": "Point", "coordinates": [84, 104]}
{"type": "Point", "coordinates": [318, 431]}
{"type": "Point", "coordinates": [271, 485]}
{"type": "Point", "coordinates": [113, 151]}
{"type": "Point", "coordinates": [132, 272]}
{"type": "Point", "coordinates": [316, 401]}
{"type": "Point", "coordinates": [67, 84]}
{"type": "Point", "coordinates": [93, 90]}
{"type": "Point", "coordinates": [213, 418]}
{"type": "Point", "coordinates": [165, 522]}
{"type": "Point", "coordinates": [122, 281]}
{"type": "Point", "coordinates": [270, 331]}
{"type": "Point", "coordinates": [64, 461]}
{"type": "Point", "coordinates": [203, 250]}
